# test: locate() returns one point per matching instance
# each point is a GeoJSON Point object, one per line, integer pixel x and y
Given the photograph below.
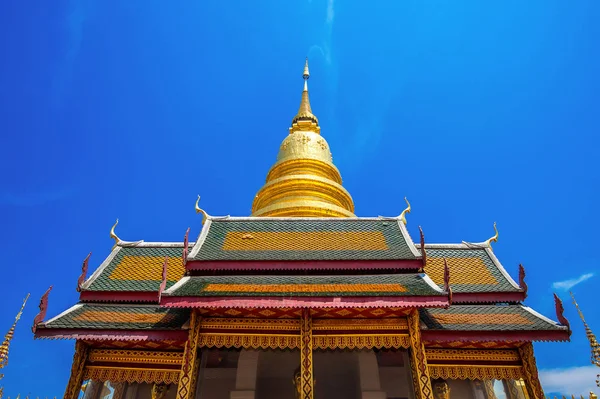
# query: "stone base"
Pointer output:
{"type": "Point", "coordinates": [242, 394]}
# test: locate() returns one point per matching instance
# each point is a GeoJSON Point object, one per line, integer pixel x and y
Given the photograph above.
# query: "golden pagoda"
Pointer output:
{"type": "Point", "coordinates": [4, 347]}
{"type": "Point", "coordinates": [302, 299]}
{"type": "Point", "coordinates": [594, 345]}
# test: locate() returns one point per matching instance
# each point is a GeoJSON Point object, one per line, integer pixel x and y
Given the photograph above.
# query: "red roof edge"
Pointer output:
{"type": "Point", "coordinates": [487, 297]}
{"type": "Point", "coordinates": [305, 302]}
{"type": "Point", "coordinates": [119, 296]}
{"type": "Point", "coordinates": [112, 335]}
{"type": "Point", "coordinates": [213, 265]}
{"type": "Point", "coordinates": [486, 336]}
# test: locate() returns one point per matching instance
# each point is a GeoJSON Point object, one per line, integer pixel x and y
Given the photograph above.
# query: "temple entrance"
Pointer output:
{"type": "Point", "coordinates": [269, 374]}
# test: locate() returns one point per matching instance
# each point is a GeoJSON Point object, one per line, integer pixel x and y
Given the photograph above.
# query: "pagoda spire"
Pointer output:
{"type": "Point", "coordinates": [6, 343]}
{"type": "Point", "coordinates": [304, 182]}
{"type": "Point", "coordinates": [594, 345]}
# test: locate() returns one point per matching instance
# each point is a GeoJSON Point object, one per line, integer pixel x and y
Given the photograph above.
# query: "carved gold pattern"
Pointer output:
{"type": "Point", "coordinates": [479, 372]}
{"type": "Point", "coordinates": [250, 323]}
{"type": "Point", "coordinates": [135, 356]}
{"type": "Point", "coordinates": [360, 324]}
{"type": "Point", "coordinates": [418, 359]}
{"type": "Point", "coordinates": [472, 355]}
{"type": "Point", "coordinates": [530, 371]}
{"type": "Point", "coordinates": [159, 391]}
{"type": "Point", "coordinates": [131, 375]}
{"type": "Point", "coordinates": [489, 389]}
{"type": "Point", "coordinates": [186, 389]}
{"type": "Point", "coordinates": [306, 355]}
{"type": "Point", "coordinates": [378, 341]}
{"type": "Point", "coordinates": [249, 341]}
{"type": "Point", "coordinates": [77, 370]}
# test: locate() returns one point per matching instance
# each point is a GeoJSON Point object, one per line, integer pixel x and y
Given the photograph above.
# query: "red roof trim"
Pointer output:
{"type": "Point", "coordinates": [113, 335]}
{"type": "Point", "coordinates": [487, 297]}
{"type": "Point", "coordinates": [486, 336]}
{"type": "Point", "coordinates": [119, 296]}
{"type": "Point", "coordinates": [305, 302]}
{"type": "Point", "coordinates": [303, 265]}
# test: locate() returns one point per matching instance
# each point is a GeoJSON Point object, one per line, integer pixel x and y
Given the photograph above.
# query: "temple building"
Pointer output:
{"type": "Point", "coordinates": [302, 299]}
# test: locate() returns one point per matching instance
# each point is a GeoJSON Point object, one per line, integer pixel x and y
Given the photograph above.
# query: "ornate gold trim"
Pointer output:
{"type": "Point", "coordinates": [77, 370]}
{"type": "Point", "coordinates": [505, 355]}
{"type": "Point", "coordinates": [530, 371]}
{"type": "Point", "coordinates": [369, 341]}
{"type": "Point", "coordinates": [135, 356]}
{"type": "Point", "coordinates": [250, 341]}
{"type": "Point", "coordinates": [479, 372]}
{"type": "Point", "coordinates": [306, 356]}
{"type": "Point", "coordinates": [131, 375]}
{"type": "Point", "coordinates": [250, 323]}
{"type": "Point", "coordinates": [418, 359]}
{"type": "Point", "coordinates": [360, 324]}
{"type": "Point", "coordinates": [189, 366]}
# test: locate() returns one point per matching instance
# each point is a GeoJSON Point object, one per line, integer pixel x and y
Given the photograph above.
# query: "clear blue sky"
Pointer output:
{"type": "Point", "coordinates": [477, 112]}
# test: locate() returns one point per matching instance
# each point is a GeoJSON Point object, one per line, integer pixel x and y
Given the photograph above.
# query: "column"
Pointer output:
{"type": "Point", "coordinates": [77, 369]}
{"type": "Point", "coordinates": [306, 356]}
{"type": "Point", "coordinates": [418, 361]}
{"type": "Point", "coordinates": [245, 380]}
{"type": "Point", "coordinates": [186, 388]}
{"type": "Point", "coordinates": [370, 384]}
{"type": "Point", "coordinates": [534, 387]}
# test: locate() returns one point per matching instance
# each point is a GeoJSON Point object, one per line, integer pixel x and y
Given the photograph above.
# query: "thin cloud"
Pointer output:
{"type": "Point", "coordinates": [569, 381]}
{"type": "Point", "coordinates": [568, 284]}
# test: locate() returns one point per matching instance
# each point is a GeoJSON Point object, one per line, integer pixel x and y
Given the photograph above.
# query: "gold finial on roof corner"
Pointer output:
{"type": "Point", "coordinates": [494, 238]}
{"type": "Point", "coordinates": [113, 235]}
{"type": "Point", "coordinates": [200, 210]}
{"type": "Point", "coordinates": [9, 336]}
{"type": "Point", "coordinates": [404, 212]}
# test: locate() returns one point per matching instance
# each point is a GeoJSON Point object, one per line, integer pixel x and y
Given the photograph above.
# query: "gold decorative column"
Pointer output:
{"type": "Point", "coordinates": [306, 356]}
{"type": "Point", "coordinates": [77, 369]}
{"type": "Point", "coordinates": [418, 360]}
{"type": "Point", "coordinates": [186, 388]}
{"type": "Point", "coordinates": [534, 387]}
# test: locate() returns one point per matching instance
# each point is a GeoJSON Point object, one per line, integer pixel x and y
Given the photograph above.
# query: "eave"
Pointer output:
{"type": "Point", "coordinates": [271, 265]}
{"type": "Point", "coordinates": [110, 335]}
{"type": "Point", "coordinates": [438, 336]}
{"type": "Point", "coordinates": [119, 296]}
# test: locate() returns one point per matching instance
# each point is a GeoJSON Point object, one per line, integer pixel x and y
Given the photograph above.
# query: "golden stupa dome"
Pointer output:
{"type": "Point", "coordinates": [304, 182]}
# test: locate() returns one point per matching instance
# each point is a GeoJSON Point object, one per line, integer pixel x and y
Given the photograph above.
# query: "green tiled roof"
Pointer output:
{"type": "Point", "coordinates": [486, 318]}
{"type": "Point", "coordinates": [263, 239]}
{"type": "Point", "coordinates": [138, 268]}
{"type": "Point", "coordinates": [120, 317]}
{"type": "Point", "coordinates": [472, 270]}
{"type": "Point", "coordinates": [370, 285]}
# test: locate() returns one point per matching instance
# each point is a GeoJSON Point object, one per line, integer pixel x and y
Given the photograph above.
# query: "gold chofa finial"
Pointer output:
{"type": "Point", "coordinates": [199, 210]}
{"type": "Point", "coordinates": [494, 238]}
{"type": "Point", "coordinates": [9, 336]}
{"type": "Point", "coordinates": [113, 235]}
{"type": "Point", "coordinates": [404, 212]}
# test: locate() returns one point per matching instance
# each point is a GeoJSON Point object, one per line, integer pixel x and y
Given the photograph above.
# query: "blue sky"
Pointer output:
{"type": "Point", "coordinates": [477, 112]}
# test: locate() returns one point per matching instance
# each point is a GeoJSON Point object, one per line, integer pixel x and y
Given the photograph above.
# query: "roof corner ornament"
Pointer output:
{"type": "Point", "coordinates": [447, 287]}
{"type": "Point", "coordinates": [423, 252]}
{"type": "Point", "coordinates": [185, 246]}
{"type": "Point", "coordinates": [200, 210]}
{"type": "Point", "coordinates": [522, 282]}
{"type": "Point", "coordinates": [118, 241]}
{"type": "Point", "coordinates": [113, 235]}
{"type": "Point", "coordinates": [560, 310]}
{"type": "Point", "coordinates": [84, 269]}
{"type": "Point", "coordinates": [39, 318]}
{"type": "Point", "coordinates": [163, 282]}
{"type": "Point", "coordinates": [494, 238]}
{"type": "Point", "coordinates": [404, 212]}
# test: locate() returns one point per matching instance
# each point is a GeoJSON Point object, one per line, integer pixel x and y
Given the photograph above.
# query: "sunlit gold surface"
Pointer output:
{"type": "Point", "coordinates": [304, 182]}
